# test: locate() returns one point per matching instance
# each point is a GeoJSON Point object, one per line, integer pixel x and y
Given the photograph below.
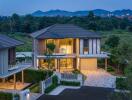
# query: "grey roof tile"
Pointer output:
{"type": "Point", "coordinates": [7, 42]}
{"type": "Point", "coordinates": [64, 31]}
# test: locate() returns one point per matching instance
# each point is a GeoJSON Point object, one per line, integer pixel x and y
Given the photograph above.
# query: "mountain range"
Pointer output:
{"type": "Point", "coordinates": [98, 12]}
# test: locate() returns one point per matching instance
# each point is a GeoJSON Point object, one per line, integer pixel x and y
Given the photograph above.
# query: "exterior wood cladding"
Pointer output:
{"type": "Point", "coordinates": [11, 56]}
{"type": "Point", "coordinates": [41, 46]}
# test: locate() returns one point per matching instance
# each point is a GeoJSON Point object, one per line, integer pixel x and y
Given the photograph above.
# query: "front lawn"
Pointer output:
{"type": "Point", "coordinates": [35, 88]}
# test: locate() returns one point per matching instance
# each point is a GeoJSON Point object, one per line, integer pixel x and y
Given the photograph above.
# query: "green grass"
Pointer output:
{"type": "Point", "coordinates": [35, 88]}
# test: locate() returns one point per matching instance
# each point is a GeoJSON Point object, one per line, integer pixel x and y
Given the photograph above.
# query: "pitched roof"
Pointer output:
{"type": "Point", "coordinates": [64, 31]}
{"type": "Point", "coordinates": [7, 42]}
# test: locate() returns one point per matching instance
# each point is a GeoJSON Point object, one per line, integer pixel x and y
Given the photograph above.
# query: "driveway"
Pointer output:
{"type": "Point", "coordinates": [100, 78]}
{"type": "Point", "coordinates": [84, 93]}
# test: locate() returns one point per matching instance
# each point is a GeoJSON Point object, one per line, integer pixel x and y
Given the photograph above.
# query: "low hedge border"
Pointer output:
{"type": "Point", "coordinates": [53, 86]}
{"type": "Point", "coordinates": [121, 83]}
{"type": "Point", "coordinates": [6, 96]}
{"type": "Point", "coordinates": [70, 83]}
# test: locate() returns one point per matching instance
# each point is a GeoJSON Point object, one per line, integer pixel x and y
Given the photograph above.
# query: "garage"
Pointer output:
{"type": "Point", "coordinates": [88, 64]}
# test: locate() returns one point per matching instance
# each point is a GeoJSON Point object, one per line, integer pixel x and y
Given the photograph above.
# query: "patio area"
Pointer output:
{"type": "Point", "coordinates": [10, 86]}
{"type": "Point", "coordinates": [100, 78]}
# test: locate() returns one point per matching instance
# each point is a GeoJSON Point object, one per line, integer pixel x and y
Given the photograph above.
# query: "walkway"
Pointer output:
{"type": "Point", "coordinates": [100, 78]}
{"type": "Point", "coordinates": [60, 89]}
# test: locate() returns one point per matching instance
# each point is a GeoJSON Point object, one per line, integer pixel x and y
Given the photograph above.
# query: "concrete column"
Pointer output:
{"type": "Point", "coordinates": [106, 64]}
{"type": "Point", "coordinates": [35, 53]}
{"type": "Point", "coordinates": [78, 63]}
{"type": "Point", "coordinates": [23, 77]}
{"type": "Point", "coordinates": [77, 47]}
{"type": "Point", "coordinates": [14, 81]}
{"type": "Point", "coordinates": [81, 46]}
{"type": "Point", "coordinates": [94, 46]}
{"type": "Point", "coordinates": [98, 46]}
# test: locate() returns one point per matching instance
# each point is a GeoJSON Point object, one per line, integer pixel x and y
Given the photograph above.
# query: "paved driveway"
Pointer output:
{"type": "Point", "coordinates": [84, 93]}
{"type": "Point", "coordinates": [100, 78]}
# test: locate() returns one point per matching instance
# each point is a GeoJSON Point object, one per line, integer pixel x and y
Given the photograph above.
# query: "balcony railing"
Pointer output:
{"type": "Point", "coordinates": [18, 65]}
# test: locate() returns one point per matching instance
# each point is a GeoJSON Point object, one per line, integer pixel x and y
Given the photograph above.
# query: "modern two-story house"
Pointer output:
{"type": "Point", "coordinates": [76, 48]}
{"type": "Point", "coordinates": [8, 65]}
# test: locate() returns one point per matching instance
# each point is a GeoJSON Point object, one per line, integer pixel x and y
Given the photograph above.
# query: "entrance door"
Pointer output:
{"type": "Point", "coordinates": [66, 64]}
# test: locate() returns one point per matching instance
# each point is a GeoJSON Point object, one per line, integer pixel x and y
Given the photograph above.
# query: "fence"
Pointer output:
{"type": "Point", "coordinates": [46, 83]}
{"type": "Point", "coordinates": [70, 77]}
{"type": "Point", "coordinates": [61, 77]}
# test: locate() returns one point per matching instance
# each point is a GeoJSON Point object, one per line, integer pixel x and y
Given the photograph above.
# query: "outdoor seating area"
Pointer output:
{"type": "Point", "coordinates": [10, 86]}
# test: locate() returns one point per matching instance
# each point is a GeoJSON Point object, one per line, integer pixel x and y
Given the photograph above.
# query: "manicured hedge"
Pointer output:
{"type": "Point", "coordinates": [121, 83]}
{"type": "Point", "coordinates": [53, 86]}
{"type": "Point", "coordinates": [69, 83]}
{"type": "Point", "coordinates": [34, 76]}
{"type": "Point", "coordinates": [6, 96]}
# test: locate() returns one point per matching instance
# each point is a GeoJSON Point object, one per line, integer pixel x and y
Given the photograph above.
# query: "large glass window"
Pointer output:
{"type": "Point", "coordinates": [86, 46]}
{"type": "Point", "coordinates": [66, 63]}
{"type": "Point", "coordinates": [66, 46]}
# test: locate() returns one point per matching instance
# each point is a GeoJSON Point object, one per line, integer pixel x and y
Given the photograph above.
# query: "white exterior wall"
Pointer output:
{"type": "Point", "coordinates": [3, 61]}
{"type": "Point", "coordinates": [94, 46]}
{"type": "Point", "coordinates": [90, 46]}
{"type": "Point", "coordinates": [98, 46]}
{"type": "Point", "coordinates": [35, 53]}
{"type": "Point", "coordinates": [81, 46]}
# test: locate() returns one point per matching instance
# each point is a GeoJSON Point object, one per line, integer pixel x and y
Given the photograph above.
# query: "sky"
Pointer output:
{"type": "Point", "coordinates": [22, 7]}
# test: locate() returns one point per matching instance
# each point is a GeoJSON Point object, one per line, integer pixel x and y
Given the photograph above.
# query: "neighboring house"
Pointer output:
{"type": "Point", "coordinates": [76, 48]}
{"type": "Point", "coordinates": [8, 64]}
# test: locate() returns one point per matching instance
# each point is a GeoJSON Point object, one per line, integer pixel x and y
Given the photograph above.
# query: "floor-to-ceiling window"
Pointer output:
{"type": "Point", "coordinates": [66, 46]}
{"type": "Point", "coordinates": [66, 63]}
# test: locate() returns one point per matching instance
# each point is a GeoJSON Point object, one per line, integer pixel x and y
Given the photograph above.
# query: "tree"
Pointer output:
{"type": "Point", "coordinates": [49, 53]}
{"type": "Point", "coordinates": [15, 23]}
{"type": "Point", "coordinates": [112, 41]}
{"type": "Point", "coordinates": [130, 28]}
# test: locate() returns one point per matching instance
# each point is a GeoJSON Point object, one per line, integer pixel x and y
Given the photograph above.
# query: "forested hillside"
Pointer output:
{"type": "Point", "coordinates": [20, 27]}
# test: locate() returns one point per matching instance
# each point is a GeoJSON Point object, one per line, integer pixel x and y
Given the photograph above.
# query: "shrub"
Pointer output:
{"type": "Point", "coordinates": [110, 69]}
{"type": "Point", "coordinates": [34, 76]}
{"type": "Point", "coordinates": [53, 86]}
{"type": "Point", "coordinates": [6, 96]}
{"type": "Point", "coordinates": [68, 83]}
{"type": "Point", "coordinates": [121, 83]}
{"type": "Point", "coordinates": [76, 71]}
{"type": "Point", "coordinates": [16, 97]}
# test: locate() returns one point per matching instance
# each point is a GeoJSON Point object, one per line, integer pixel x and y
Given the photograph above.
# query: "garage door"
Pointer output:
{"type": "Point", "coordinates": [88, 64]}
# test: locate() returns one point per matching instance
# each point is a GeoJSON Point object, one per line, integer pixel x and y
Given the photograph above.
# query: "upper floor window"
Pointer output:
{"type": "Point", "coordinates": [85, 46]}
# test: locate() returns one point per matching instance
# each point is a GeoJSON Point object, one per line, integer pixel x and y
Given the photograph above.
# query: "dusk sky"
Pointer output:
{"type": "Point", "coordinates": [8, 7]}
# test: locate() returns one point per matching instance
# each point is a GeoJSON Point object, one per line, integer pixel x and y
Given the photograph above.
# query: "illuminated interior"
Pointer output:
{"type": "Point", "coordinates": [66, 46]}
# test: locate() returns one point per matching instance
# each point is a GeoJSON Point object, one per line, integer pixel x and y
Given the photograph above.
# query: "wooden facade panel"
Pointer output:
{"type": "Point", "coordinates": [88, 64]}
{"type": "Point", "coordinates": [41, 46]}
{"type": "Point", "coordinates": [11, 56]}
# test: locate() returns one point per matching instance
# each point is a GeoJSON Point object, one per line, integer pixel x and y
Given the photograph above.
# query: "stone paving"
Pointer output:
{"type": "Point", "coordinates": [100, 78]}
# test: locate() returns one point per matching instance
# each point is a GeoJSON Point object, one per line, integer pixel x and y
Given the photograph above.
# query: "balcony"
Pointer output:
{"type": "Point", "coordinates": [19, 65]}
{"type": "Point", "coordinates": [100, 55]}
{"type": "Point", "coordinates": [58, 55]}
